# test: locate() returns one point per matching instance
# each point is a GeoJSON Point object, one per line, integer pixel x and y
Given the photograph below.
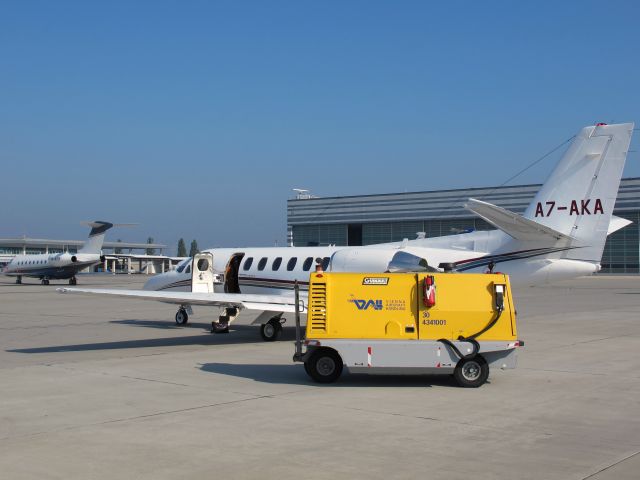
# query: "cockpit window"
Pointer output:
{"type": "Point", "coordinates": [188, 270]}
{"type": "Point", "coordinates": [262, 263]}
{"type": "Point", "coordinates": [307, 264]}
{"type": "Point", "coordinates": [276, 264]}
{"type": "Point", "coordinates": [182, 265]}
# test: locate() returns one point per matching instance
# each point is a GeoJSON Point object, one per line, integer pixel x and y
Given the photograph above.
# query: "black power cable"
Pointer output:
{"type": "Point", "coordinates": [472, 338]}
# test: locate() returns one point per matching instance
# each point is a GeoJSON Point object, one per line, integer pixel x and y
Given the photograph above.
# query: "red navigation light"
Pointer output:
{"type": "Point", "coordinates": [600, 124]}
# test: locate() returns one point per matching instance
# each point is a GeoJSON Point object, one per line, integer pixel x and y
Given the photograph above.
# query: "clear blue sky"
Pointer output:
{"type": "Point", "coordinates": [196, 118]}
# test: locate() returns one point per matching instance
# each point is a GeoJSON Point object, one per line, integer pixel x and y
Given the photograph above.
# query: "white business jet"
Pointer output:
{"type": "Point", "coordinates": [560, 236]}
{"type": "Point", "coordinates": [61, 266]}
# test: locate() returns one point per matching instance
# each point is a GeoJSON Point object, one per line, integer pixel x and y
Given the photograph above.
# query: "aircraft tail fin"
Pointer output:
{"type": "Point", "coordinates": [578, 198]}
{"type": "Point", "coordinates": [96, 236]}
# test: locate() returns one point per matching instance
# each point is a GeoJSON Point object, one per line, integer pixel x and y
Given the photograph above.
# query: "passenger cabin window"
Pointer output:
{"type": "Point", "coordinates": [203, 264]}
{"type": "Point", "coordinates": [325, 263]}
{"type": "Point", "coordinates": [276, 264]}
{"type": "Point", "coordinates": [306, 266]}
{"type": "Point", "coordinates": [247, 263]}
{"type": "Point", "coordinates": [291, 264]}
{"type": "Point", "coordinates": [262, 263]}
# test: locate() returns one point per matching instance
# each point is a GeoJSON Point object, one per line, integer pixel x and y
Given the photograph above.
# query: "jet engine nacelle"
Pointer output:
{"type": "Point", "coordinates": [362, 260]}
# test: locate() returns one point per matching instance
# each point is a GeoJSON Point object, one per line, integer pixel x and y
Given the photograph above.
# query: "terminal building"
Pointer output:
{"type": "Point", "coordinates": [120, 257]}
{"type": "Point", "coordinates": [370, 219]}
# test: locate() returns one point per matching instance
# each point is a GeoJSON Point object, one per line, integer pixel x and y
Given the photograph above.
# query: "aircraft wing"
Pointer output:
{"type": "Point", "coordinates": [279, 303]}
{"type": "Point", "coordinates": [513, 224]}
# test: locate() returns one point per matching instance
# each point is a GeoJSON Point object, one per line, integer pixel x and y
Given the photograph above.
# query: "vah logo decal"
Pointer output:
{"type": "Point", "coordinates": [366, 304]}
{"type": "Point", "coordinates": [375, 281]}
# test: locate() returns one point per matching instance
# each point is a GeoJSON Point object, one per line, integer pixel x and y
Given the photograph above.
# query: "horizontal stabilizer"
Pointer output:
{"type": "Point", "coordinates": [513, 224]}
{"type": "Point", "coordinates": [280, 303]}
{"type": "Point", "coordinates": [616, 223]}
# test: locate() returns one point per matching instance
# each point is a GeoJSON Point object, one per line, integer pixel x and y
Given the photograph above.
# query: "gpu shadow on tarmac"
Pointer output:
{"type": "Point", "coordinates": [294, 374]}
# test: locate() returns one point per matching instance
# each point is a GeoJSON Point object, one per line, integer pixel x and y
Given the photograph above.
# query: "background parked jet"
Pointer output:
{"type": "Point", "coordinates": [561, 235]}
{"type": "Point", "coordinates": [61, 266]}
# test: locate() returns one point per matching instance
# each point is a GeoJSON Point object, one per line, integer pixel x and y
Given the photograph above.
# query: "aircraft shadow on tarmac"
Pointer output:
{"type": "Point", "coordinates": [247, 332]}
{"type": "Point", "coordinates": [161, 324]}
{"type": "Point", "coordinates": [294, 374]}
{"type": "Point", "coordinates": [240, 334]}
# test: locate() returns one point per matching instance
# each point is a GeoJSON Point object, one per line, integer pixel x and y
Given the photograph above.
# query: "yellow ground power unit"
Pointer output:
{"type": "Point", "coordinates": [408, 323]}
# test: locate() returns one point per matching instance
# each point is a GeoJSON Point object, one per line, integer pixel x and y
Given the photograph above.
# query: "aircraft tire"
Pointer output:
{"type": "Point", "coordinates": [216, 327]}
{"type": "Point", "coordinates": [73, 281]}
{"type": "Point", "coordinates": [182, 318]}
{"type": "Point", "coordinates": [271, 330]}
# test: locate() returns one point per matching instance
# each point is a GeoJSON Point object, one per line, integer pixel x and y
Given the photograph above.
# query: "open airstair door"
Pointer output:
{"type": "Point", "coordinates": [202, 273]}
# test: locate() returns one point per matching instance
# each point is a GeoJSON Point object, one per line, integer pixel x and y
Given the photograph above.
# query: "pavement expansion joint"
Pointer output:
{"type": "Point", "coordinates": [428, 419]}
{"type": "Point", "coordinates": [576, 372]}
{"type": "Point", "coordinates": [134, 418]}
{"type": "Point", "coordinates": [610, 466]}
{"type": "Point", "coordinates": [165, 382]}
{"type": "Point", "coordinates": [583, 342]}
{"type": "Point", "coordinates": [47, 326]}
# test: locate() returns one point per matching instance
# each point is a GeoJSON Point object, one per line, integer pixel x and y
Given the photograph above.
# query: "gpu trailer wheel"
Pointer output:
{"type": "Point", "coordinates": [472, 372]}
{"type": "Point", "coordinates": [324, 365]}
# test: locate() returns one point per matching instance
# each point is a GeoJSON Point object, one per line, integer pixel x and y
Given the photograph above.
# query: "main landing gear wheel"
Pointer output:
{"type": "Point", "coordinates": [271, 330]}
{"type": "Point", "coordinates": [73, 281]}
{"type": "Point", "coordinates": [182, 318]}
{"type": "Point", "coordinates": [18, 280]}
{"type": "Point", "coordinates": [472, 372]}
{"type": "Point", "coordinates": [44, 281]}
{"type": "Point", "coordinates": [324, 365]}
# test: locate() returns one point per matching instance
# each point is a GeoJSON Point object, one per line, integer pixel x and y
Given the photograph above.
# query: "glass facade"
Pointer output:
{"type": "Point", "coordinates": [320, 235]}
{"type": "Point", "coordinates": [372, 219]}
{"type": "Point", "coordinates": [383, 232]}
{"type": "Point", "coordinates": [622, 249]}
